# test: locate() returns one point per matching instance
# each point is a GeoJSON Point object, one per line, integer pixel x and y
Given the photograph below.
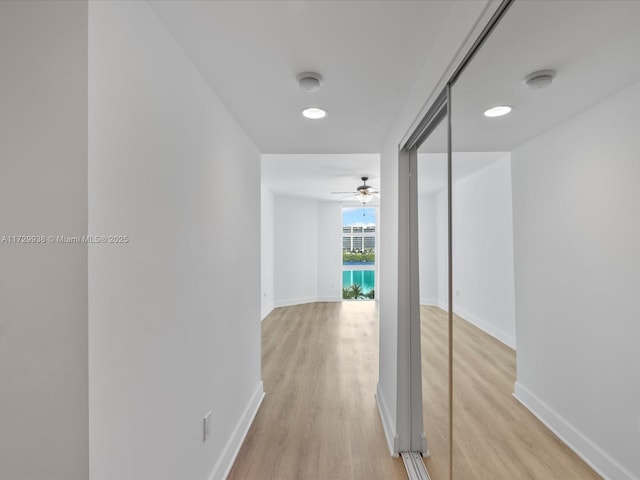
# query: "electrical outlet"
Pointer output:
{"type": "Point", "coordinates": [206, 427]}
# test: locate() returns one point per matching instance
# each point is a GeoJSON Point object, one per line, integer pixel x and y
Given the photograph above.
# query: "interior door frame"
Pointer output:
{"type": "Point", "coordinates": [409, 282]}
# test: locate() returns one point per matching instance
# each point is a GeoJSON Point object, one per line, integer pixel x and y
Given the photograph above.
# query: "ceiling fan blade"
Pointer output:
{"type": "Point", "coordinates": [363, 191]}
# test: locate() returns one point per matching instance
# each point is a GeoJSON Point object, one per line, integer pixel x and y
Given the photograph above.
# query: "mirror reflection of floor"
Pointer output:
{"type": "Point", "coordinates": [495, 437]}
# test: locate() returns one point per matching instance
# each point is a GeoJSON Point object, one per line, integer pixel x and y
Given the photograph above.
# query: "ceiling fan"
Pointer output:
{"type": "Point", "coordinates": [364, 193]}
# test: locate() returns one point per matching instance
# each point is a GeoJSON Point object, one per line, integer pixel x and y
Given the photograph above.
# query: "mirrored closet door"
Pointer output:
{"type": "Point", "coordinates": [545, 228]}
{"type": "Point", "coordinates": [432, 173]}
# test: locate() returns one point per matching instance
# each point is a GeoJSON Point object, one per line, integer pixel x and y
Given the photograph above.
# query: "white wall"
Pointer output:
{"type": "Point", "coordinates": [482, 249]}
{"type": "Point", "coordinates": [442, 245]}
{"type": "Point", "coordinates": [174, 314]}
{"type": "Point", "coordinates": [296, 250]}
{"type": "Point", "coordinates": [434, 249]}
{"type": "Point", "coordinates": [44, 423]}
{"type": "Point", "coordinates": [576, 238]}
{"type": "Point", "coordinates": [267, 250]}
{"type": "Point", "coordinates": [329, 252]}
{"type": "Point", "coordinates": [308, 252]}
{"type": "Point", "coordinates": [428, 254]}
{"type": "Point", "coordinates": [483, 285]}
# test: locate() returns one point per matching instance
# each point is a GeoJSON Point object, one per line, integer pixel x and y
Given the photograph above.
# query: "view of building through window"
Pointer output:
{"type": "Point", "coordinates": [358, 253]}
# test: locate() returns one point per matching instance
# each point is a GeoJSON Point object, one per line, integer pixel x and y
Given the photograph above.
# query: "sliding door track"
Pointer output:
{"type": "Point", "coordinates": [415, 466]}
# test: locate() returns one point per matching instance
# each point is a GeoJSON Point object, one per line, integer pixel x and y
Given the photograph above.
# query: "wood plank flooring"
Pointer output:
{"type": "Point", "coordinates": [319, 419]}
{"type": "Point", "coordinates": [495, 437]}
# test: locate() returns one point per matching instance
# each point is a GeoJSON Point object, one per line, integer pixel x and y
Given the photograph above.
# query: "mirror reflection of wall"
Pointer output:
{"type": "Point", "coordinates": [484, 330]}
{"type": "Point", "coordinates": [545, 246]}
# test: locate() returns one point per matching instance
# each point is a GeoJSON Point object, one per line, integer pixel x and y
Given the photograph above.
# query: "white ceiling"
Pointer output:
{"type": "Point", "coordinates": [316, 176]}
{"type": "Point", "coordinates": [593, 46]}
{"type": "Point", "coordinates": [369, 53]}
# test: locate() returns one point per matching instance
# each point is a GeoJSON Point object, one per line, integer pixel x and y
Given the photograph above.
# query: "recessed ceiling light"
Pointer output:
{"type": "Point", "coordinates": [314, 113]}
{"type": "Point", "coordinates": [497, 111]}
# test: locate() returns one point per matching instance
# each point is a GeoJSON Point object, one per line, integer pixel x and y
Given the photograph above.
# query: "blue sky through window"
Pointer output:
{"type": "Point", "coordinates": [354, 216]}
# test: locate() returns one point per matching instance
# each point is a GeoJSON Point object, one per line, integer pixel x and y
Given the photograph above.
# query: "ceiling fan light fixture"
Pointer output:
{"type": "Point", "coordinates": [314, 113]}
{"type": "Point", "coordinates": [365, 198]}
{"type": "Point", "coordinates": [363, 193]}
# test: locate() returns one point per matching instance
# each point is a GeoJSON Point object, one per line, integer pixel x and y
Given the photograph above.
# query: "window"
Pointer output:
{"type": "Point", "coordinates": [358, 253]}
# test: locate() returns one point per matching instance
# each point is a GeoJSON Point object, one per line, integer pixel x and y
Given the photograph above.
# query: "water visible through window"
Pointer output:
{"type": "Point", "coordinates": [359, 239]}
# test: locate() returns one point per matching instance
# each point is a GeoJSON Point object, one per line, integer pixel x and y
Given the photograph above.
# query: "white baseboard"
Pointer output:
{"type": "Point", "coordinates": [329, 299]}
{"type": "Point", "coordinates": [486, 327]}
{"type": "Point", "coordinates": [267, 310]}
{"type": "Point", "coordinates": [429, 302]}
{"type": "Point", "coordinates": [593, 455]}
{"type": "Point", "coordinates": [225, 461]}
{"type": "Point", "coordinates": [295, 301]}
{"type": "Point", "coordinates": [301, 301]}
{"type": "Point", "coordinates": [388, 424]}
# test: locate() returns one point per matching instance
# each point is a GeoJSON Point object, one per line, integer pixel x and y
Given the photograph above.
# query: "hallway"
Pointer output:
{"type": "Point", "coordinates": [319, 419]}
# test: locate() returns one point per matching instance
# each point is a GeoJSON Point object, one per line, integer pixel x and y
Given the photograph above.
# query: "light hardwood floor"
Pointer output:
{"type": "Point", "coordinates": [319, 419]}
{"type": "Point", "coordinates": [495, 437]}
